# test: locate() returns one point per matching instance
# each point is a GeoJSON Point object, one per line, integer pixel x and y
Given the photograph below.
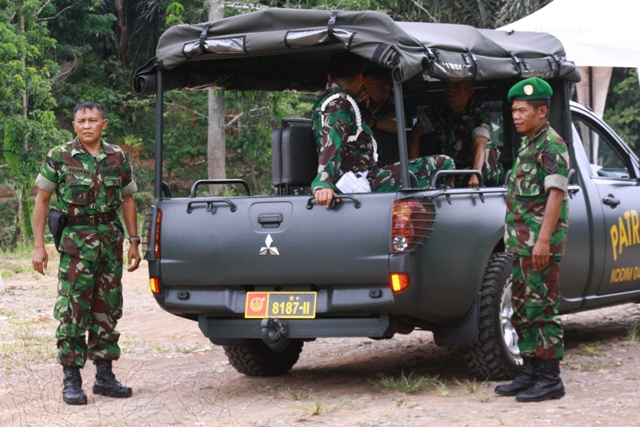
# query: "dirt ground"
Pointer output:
{"type": "Point", "coordinates": [180, 378]}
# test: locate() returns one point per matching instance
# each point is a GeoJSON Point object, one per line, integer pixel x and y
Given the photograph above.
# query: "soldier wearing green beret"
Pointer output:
{"type": "Point", "coordinates": [91, 180]}
{"type": "Point", "coordinates": [535, 233]}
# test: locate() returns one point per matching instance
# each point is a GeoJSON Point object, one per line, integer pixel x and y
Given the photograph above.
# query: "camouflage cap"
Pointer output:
{"type": "Point", "coordinates": [532, 88]}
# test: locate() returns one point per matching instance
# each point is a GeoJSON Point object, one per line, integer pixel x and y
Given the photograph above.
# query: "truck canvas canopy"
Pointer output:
{"type": "Point", "coordinates": [287, 49]}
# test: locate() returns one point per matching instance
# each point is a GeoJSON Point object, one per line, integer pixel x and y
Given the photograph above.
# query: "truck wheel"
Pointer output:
{"type": "Point", "coordinates": [495, 354]}
{"type": "Point", "coordinates": [256, 359]}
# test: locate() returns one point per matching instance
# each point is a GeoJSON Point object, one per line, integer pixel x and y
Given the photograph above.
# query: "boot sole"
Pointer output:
{"type": "Point", "coordinates": [75, 402]}
{"type": "Point", "coordinates": [105, 392]}
{"type": "Point", "coordinates": [510, 393]}
{"type": "Point", "coordinates": [507, 394]}
{"type": "Point", "coordinates": [557, 395]}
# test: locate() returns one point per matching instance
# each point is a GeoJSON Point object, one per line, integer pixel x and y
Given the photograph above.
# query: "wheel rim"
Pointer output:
{"type": "Point", "coordinates": [509, 334]}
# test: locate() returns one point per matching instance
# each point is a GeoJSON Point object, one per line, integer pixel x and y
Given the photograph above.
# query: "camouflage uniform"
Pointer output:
{"type": "Point", "coordinates": [456, 134]}
{"type": "Point", "coordinates": [89, 288]}
{"type": "Point", "coordinates": [542, 163]}
{"type": "Point", "coordinates": [345, 143]}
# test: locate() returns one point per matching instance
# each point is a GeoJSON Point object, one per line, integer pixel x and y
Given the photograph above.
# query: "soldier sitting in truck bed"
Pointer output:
{"type": "Point", "coordinates": [381, 114]}
{"type": "Point", "coordinates": [460, 129]}
{"type": "Point", "coordinates": [345, 144]}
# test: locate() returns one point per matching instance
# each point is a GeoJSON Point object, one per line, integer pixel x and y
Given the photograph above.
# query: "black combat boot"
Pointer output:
{"type": "Point", "coordinates": [549, 384]}
{"type": "Point", "coordinates": [523, 381]}
{"type": "Point", "coordinates": [72, 393]}
{"type": "Point", "coordinates": [106, 383]}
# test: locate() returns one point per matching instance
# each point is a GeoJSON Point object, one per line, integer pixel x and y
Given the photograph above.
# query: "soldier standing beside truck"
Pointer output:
{"type": "Point", "coordinates": [535, 233]}
{"type": "Point", "coordinates": [91, 180]}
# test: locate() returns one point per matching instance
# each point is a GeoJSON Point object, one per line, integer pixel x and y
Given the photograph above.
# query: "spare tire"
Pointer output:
{"type": "Point", "coordinates": [255, 358]}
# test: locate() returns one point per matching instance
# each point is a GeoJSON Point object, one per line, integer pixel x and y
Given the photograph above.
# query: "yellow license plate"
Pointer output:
{"type": "Point", "coordinates": [285, 305]}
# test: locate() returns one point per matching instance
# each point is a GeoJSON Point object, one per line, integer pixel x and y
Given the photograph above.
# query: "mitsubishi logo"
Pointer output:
{"type": "Point", "coordinates": [268, 250]}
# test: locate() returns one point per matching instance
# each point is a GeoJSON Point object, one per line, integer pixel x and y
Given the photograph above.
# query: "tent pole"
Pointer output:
{"type": "Point", "coordinates": [159, 132]}
{"type": "Point", "coordinates": [402, 134]}
{"type": "Point", "coordinates": [591, 87]}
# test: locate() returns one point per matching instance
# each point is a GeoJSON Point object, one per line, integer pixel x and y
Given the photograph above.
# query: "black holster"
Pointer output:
{"type": "Point", "coordinates": [58, 221]}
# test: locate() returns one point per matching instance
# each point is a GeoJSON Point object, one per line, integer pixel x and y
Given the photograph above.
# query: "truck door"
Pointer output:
{"type": "Point", "coordinates": [614, 173]}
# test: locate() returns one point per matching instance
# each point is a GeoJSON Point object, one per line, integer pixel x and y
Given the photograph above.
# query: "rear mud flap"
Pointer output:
{"type": "Point", "coordinates": [463, 334]}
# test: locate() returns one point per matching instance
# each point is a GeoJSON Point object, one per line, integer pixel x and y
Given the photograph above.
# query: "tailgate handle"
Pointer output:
{"type": "Point", "coordinates": [271, 218]}
{"type": "Point", "coordinates": [356, 203]}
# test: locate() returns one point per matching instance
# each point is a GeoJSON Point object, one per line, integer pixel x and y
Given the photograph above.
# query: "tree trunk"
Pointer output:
{"type": "Point", "coordinates": [122, 40]}
{"type": "Point", "coordinates": [216, 142]}
{"type": "Point", "coordinates": [24, 229]}
{"type": "Point", "coordinates": [27, 226]}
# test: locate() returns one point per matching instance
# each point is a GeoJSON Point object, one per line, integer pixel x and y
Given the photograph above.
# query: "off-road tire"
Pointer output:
{"type": "Point", "coordinates": [257, 359]}
{"type": "Point", "coordinates": [490, 357]}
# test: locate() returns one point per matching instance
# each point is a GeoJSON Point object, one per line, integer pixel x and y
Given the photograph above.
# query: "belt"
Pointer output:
{"type": "Point", "coordinates": [93, 220]}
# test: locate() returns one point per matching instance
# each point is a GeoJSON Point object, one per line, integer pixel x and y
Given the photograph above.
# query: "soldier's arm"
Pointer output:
{"type": "Point", "coordinates": [479, 149]}
{"type": "Point", "coordinates": [40, 258]}
{"type": "Point", "coordinates": [540, 253]}
{"type": "Point", "coordinates": [131, 222]}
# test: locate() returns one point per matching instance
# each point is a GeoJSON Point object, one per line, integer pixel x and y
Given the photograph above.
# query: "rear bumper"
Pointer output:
{"type": "Point", "coordinates": [226, 331]}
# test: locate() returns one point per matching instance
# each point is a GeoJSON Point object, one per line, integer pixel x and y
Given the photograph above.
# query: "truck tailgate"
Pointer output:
{"type": "Point", "coordinates": [275, 240]}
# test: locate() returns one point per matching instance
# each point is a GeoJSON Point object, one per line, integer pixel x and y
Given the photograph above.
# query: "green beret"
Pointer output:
{"type": "Point", "coordinates": [533, 88]}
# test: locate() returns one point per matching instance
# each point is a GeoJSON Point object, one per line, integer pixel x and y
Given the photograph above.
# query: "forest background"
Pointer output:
{"type": "Point", "coordinates": [57, 53]}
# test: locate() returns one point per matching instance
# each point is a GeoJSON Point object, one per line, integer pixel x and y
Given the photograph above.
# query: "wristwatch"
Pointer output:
{"type": "Point", "coordinates": [134, 239]}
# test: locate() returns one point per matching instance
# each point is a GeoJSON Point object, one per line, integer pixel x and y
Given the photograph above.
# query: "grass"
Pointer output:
{"type": "Point", "coordinates": [591, 365]}
{"type": "Point", "coordinates": [633, 333]}
{"type": "Point", "coordinates": [404, 404]}
{"type": "Point", "coordinates": [26, 348]}
{"type": "Point", "coordinates": [17, 264]}
{"type": "Point", "coordinates": [472, 386]}
{"type": "Point", "coordinates": [592, 349]}
{"type": "Point", "coordinates": [483, 398]}
{"type": "Point", "coordinates": [170, 347]}
{"type": "Point", "coordinates": [304, 374]}
{"type": "Point", "coordinates": [412, 383]}
{"type": "Point", "coordinates": [443, 389]}
{"type": "Point", "coordinates": [296, 395]}
{"type": "Point", "coordinates": [598, 366]}
{"type": "Point", "coordinates": [311, 405]}
{"type": "Point", "coordinates": [6, 312]}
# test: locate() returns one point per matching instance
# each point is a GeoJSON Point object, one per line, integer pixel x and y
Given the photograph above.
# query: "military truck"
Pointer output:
{"type": "Point", "coordinates": [262, 274]}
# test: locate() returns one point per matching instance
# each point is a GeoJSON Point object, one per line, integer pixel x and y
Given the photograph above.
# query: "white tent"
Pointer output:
{"type": "Point", "coordinates": [596, 35]}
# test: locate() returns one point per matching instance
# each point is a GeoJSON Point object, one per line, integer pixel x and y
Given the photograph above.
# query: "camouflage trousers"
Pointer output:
{"type": "Point", "coordinates": [492, 170]}
{"type": "Point", "coordinates": [535, 304]}
{"type": "Point", "coordinates": [89, 300]}
{"type": "Point", "coordinates": [387, 179]}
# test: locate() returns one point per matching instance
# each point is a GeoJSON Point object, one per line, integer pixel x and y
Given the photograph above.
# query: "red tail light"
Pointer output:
{"type": "Point", "coordinates": [157, 234]}
{"type": "Point", "coordinates": [410, 222]}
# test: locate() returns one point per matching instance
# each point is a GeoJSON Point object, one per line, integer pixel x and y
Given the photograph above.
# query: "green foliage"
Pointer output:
{"type": "Point", "coordinates": [8, 211]}
{"type": "Point", "coordinates": [27, 123]}
{"type": "Point", "coordinates": [477, 13]}
{"type": "Point", "coordinates": [251, 117]}
{"type": "Point", "coordinates": [174, 14]}
{"type": "Point", "coordinates": [623, 107]}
